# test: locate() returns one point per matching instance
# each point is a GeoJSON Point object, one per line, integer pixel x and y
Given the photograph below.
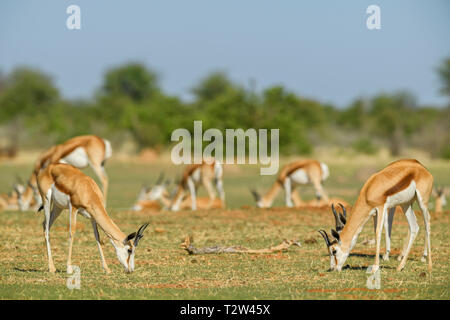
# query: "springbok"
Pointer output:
{"type": "Point", "coordinates": [10, 201]}
{"type": "Point", "coordinates": [157, 198]}
{"type": "Point", "coordinates": [294, 174]}
{"type": "Point", "coordinates": [62, 187]}
{"type": "Point", "coordinates": [199, 174]}
{"type": "Point", "coordinates": [80, 152]}
{"type": "Point", "coordinates": [399, 184]}
{"type": "Point", "coordinates": [440, 201]}
{"type": "Point", "coordinates": [150, 198]}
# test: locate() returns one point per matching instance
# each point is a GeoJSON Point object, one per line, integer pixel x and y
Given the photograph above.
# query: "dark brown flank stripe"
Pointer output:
{"type": "Point", "coordinates": [288, 172]}
{"type": "Point", "coordinates": [401, 185]}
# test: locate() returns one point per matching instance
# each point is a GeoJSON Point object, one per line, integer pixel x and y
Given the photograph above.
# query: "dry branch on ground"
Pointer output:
{"type": "Point", "coordinates": [187, 245]}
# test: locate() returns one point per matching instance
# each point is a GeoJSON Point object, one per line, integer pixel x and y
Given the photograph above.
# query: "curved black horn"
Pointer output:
{"type": "Point", "coordinates": [139, 234]}
{"type": "Point", "coordinates": [343, 215]}
{"type": "Point", "coordinates": [324, 234]}
{"type": "Point", "coordinates": [339, 224]}
{"type": "Point", "coordinates": [344, 211]}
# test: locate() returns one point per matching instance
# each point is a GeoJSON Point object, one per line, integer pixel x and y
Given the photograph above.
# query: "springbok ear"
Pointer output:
{"type": "Point", "coordinates": [129, 237]}
{"type": "Point", "coordinates": [335, 234]}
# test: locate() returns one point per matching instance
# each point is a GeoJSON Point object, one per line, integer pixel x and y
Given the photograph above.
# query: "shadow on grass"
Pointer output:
{"type": "Point", "coordinates": [26, 270]}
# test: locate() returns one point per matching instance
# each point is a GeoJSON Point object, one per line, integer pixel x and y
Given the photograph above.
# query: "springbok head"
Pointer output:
{"type": "Point", "coordinates": [337, 255]}
{"type": "Point", "coordinates": [126, 250]}
{"type": "Point", "coordinates": [258, 199]}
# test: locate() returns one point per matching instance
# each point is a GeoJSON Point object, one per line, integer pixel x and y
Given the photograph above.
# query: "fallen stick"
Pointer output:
{"type": "Point", "coordinates": [187, 245]}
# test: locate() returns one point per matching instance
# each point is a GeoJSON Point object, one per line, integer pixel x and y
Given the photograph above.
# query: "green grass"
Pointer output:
{"type": "Point", "coordinates": [165, 271]}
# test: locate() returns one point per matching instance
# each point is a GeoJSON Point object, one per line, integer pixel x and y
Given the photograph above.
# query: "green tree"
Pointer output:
{"type": "Point", "coordinates": [27, 94]}
{"type": "Point", "coordinates": [394, 117]}
{"type": "Point", "coordinates": [212, 86]}
{"type": "Point", "coordinates": [132, 80]}
{"type": "Point", "coordinates": [444, 74]}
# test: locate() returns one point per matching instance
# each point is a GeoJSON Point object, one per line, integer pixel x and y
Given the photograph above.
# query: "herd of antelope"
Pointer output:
{"type": "Point", "coordinates": [56, 183]}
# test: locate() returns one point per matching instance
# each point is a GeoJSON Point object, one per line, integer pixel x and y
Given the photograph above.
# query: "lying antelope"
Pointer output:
{"type": "Point", "coordinates": [80, 152]}
{"type": "Point", "coordinates": [292, 175]}
{"type": "Point", "coordinates": [196, 175]}
{"type": "Point", "coordinates": [62, 187]}
{"type": "Point", "coordinates": [150, 198]}
{"type": "Point", "coordinates": [399, 184]}
{"type": "Point", "coordinates": [156, 198]}
{"type": "Point", "coordinates": [440, 201]}
{"type": "Point", "coordinates": [28, 198]}
{"type": "Point", "coordinates": [10, 201]}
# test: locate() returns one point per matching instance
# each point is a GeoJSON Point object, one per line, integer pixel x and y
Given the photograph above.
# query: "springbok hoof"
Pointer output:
{"type": "Point", "coordinates": [423, 259]}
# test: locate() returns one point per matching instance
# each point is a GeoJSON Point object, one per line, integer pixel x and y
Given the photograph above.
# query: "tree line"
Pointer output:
{"type": "Point", "coordinates": [130, 105]}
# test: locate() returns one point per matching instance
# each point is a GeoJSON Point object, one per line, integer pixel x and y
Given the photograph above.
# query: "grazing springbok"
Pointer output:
{"type": "Point", "coordinates": [440, 201]}
{"type": "Point", "coordinates": [199, 174]}
{"type": "Point", "coordinates": [292, 175]}
{"type": "Point", "coordinates": [399, 184]}
{"type": "Point", "coordinates": [62, 187]}
{"type": "Point", "coordinates": [80, 152]}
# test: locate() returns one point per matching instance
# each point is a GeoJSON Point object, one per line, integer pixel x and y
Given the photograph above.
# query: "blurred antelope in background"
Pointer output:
{"type": "Point", "coordinates": [399, 184]}
{"type": "Point", "coordinates": [10, 201]}
{"type": "Point", "coordinates": [80, 152]}
{"type": "Point", "coordinates": [158, 197]}
{"type": "Point", "coordinates": [208, 174]}
{"type": "Point", "coordinates": [440, 201]}
{"type": "Point", "coordinates": [62, 187]}
{"type": "Point", "coordinates": [292, 175]}
{"type": "Point", "coordinates": [153, 199]}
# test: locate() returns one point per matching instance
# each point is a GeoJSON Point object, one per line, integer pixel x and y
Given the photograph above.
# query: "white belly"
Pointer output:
{"type": "Point", "coordinates": [402, 197]}
{"type": "Point", "coordinates": [299, 177]}
{"type": "Point", "coordinates": [196, 175]}
{"type": "Point", "coordinates": [60, 199]}
{"type": "Point", "coordinates": [325, 171]}
{"type": "Point", "coordinates": [77, 158]}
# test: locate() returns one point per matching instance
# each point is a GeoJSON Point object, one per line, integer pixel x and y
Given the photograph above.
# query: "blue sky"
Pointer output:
{"type": "Point", "coordinates": [319, 49]}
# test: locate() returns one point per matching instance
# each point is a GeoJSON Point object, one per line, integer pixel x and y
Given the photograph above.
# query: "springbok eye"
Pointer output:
{"type": "Point", "coordinates": [333, 252]}
{"type": "Point", "coordinates": [130, 251]}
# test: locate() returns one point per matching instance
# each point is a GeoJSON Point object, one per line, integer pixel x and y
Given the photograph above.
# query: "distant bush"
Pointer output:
{"type": "Point", "coordinates": [365, 146]}
{"type": "Point", "coordinates": [130, 102]}
{"type": "Point", "coordinates": [446, 153]}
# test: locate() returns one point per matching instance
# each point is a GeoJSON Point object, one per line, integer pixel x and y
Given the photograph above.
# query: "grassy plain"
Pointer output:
{"type": "Point", "coordinates": [165, 271]}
